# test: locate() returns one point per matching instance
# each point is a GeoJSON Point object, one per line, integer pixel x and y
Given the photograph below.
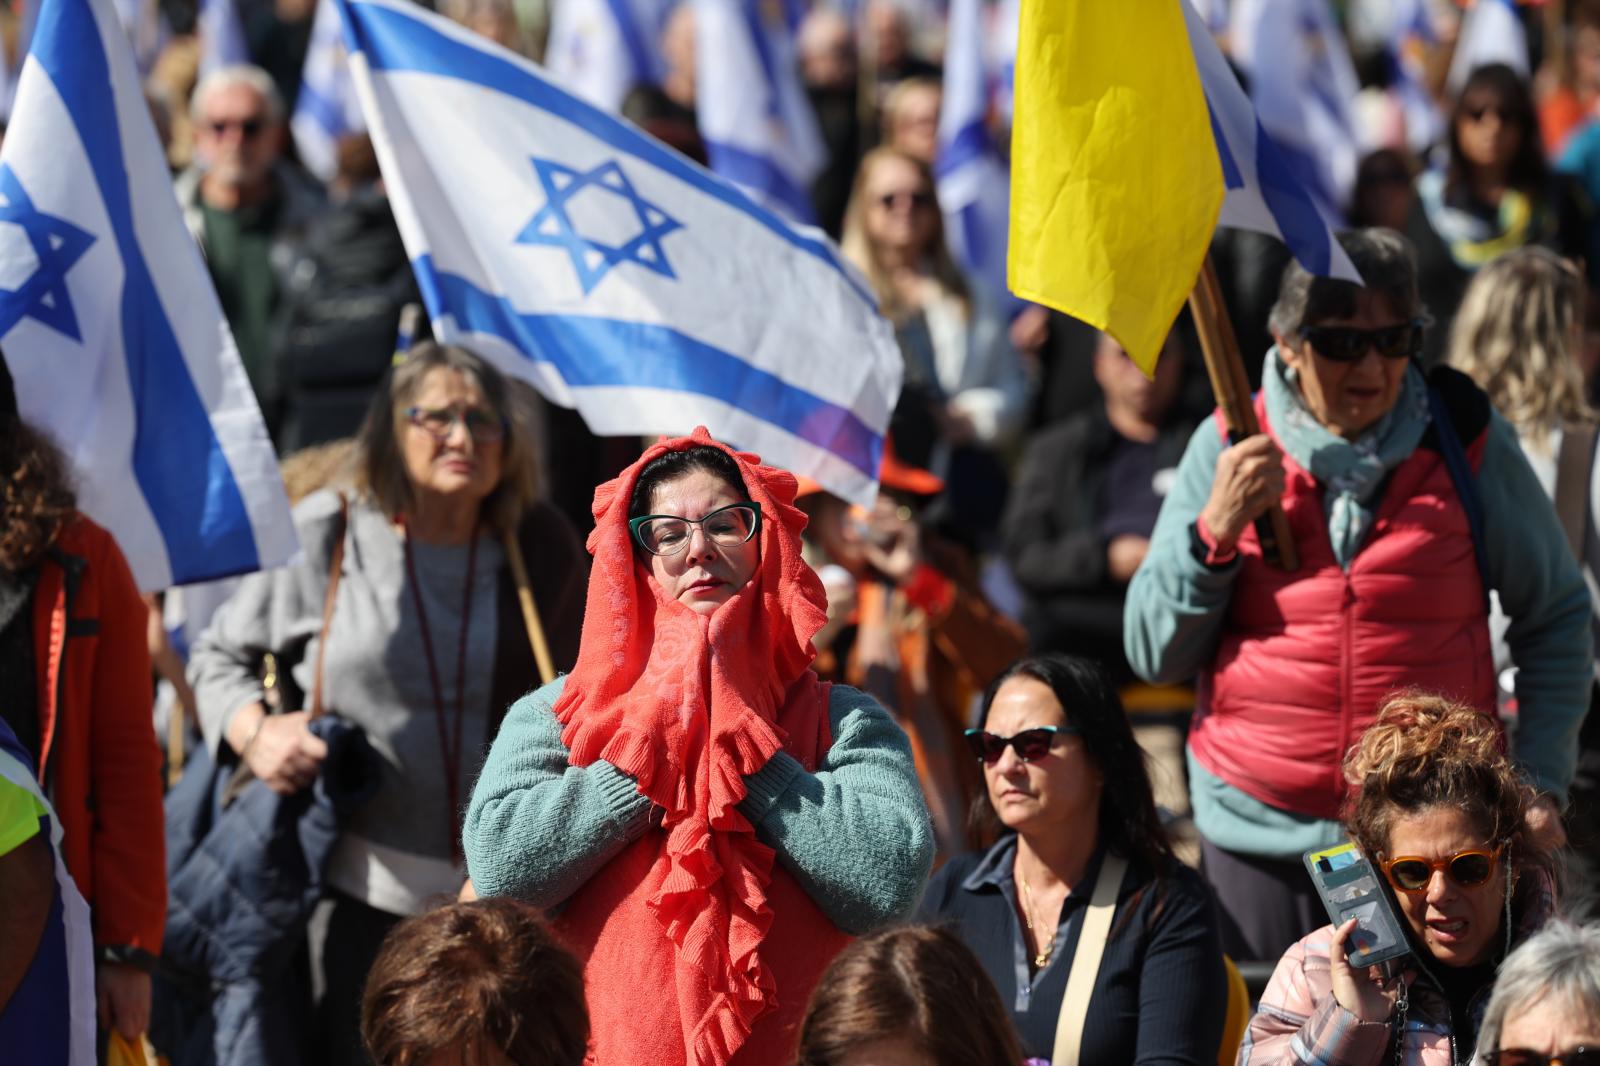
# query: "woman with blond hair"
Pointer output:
{"type": "Point", "coordinates": [423, 649]}
{"type": "Point", "coordinates": [1440, 811]}
{"type": "Point", "coordinates": [965, 391]}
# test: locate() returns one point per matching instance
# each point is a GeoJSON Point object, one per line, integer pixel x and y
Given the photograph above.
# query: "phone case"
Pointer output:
{"type": "Point", "coordinates": [1350, 888]}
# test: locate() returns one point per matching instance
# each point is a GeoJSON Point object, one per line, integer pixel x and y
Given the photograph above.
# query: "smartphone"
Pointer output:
{"type": "Point", "coordinates": [1350, 888]}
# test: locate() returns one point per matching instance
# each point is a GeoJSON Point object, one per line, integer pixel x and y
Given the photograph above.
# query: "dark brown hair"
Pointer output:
{"type": "Point", "coordinates": [1425, 751]}
{"type": "Point", "coordinates": [1509, 90]}
{"type": "Point", "coordinates": [914, 983]}
{"type": "Point", "coordinates": [36, 497]}
{"type": "Point", "coordinates": [468, 975]}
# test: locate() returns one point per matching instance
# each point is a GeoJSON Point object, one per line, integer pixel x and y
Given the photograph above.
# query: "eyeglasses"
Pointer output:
{"type": "Point", "coordinates": [1030, 744]}
{"type": "Point", "coordinates": [916, 200]}
{"type": "Point", "coordinates": [1477, 114]}
{"type": "Point", "coordinates": [1345, 345]}
{"type": "Point", "coordinates": [483, 426]}
{"type": "Point", "coordinates": [1521, 1056]}
{"type": "Point", "coordinates": [1410, 873]}
{"type": "Point", "coordinates": [247, 127]}
{"type": "Point", "coordinates": [665, 534]}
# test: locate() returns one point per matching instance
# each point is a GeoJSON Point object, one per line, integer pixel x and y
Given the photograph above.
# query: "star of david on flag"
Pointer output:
{"type": "Point", "coordinates": [639, 288]}
{"type": "Point", "coordinates": [111, 328]}
{"type": "Point", "coordinates": [593, 258]}
{"type": "Point", "coordinates": [55, 244]}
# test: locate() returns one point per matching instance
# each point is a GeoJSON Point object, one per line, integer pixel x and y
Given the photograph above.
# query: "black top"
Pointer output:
{"type": "Point", "coordinates": [1161, 992]}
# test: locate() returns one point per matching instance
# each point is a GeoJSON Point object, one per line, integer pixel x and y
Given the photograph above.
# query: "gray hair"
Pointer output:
{"type": "Point", "coordinates": [245, 74]}
{"type": "Point", "coordinates": [1384, 258]}
{"type": "Point", "coordinates": [1559, 963]}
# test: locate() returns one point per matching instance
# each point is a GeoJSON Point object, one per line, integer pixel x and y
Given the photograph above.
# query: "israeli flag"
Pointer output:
{"type": "Point", "coordinates": [612, 273]}
{"type": "Point", "coordinates": [600, 49]}
{"type": "Point", "coordinates": [974, 181]}
{"type": "Point", "coordinates": [1263, 195]}
{"type": "Point", "coordinates": [1490, 32]}
{"type": "Point", "coordinates": [759, 130]}
{"type": "Point", "coordinates": [326, 108]}
{"type": "Point", "coordinates": [221, 33]}
{"type": "Point", "coordinates": [1410, 31]}
{"type": "Point", "coordinates": [1303, 84]}
{"type": "Point", "coordinates": [111, 327]}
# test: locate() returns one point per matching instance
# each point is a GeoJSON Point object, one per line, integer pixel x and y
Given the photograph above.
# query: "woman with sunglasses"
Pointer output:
{"type": "Point", "coordinates": [1441, 812]}
{"type": "Point", "coordinates": [1545, 1008]}
{"type": "Point", "coordinates": [712, 821]}
{"type": "Point", "coordinates": [425, 645]}
{"type": "Point", "coordinates": [1407, 498]}
{"type": "Point", "coordinates": [1068, 814]}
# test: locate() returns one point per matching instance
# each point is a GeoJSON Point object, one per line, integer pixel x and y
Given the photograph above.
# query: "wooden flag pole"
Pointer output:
{"type": "Point", "coordinates": [1232, 389]}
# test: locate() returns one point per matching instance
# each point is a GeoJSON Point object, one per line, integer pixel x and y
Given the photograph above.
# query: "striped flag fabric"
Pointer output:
{"type": "Point", "coordinates": [326, 108]}
{"type": "Point", "coordinates": [1490, 32]}
{"type": "Point", "coordinates": [111, 327]}
{"type": "Point", "coordinates": [221, 33]}
{"type": "Point", "coordinates": [611, 272]}
{"type": "Point", "coordinates": [1263, 193]}
{"type": "Point", "coordinates": [974, 183]}
{"type": "Point", "coordinates": [759, 130]}
{"type": "Point", "coordinates": [600, 49]}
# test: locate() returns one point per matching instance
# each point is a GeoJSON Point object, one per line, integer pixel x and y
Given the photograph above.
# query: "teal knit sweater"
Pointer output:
{"type": "Point", "coordinates": [855, 834]}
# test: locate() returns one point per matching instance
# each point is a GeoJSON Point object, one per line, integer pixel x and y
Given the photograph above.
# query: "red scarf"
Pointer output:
{"type": "Point", "coordinates": [688, 706]}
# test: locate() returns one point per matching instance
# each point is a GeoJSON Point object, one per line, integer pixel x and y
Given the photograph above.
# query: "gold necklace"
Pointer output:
{"type": "Point", "coordinates": [1046, 947]}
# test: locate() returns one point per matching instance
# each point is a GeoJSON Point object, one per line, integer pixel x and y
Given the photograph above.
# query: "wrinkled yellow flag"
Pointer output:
{"type": "Point", "coordinates": [1115, 181]}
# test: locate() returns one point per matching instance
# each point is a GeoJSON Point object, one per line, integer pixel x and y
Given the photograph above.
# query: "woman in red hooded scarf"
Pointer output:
{"type": "Point", "coordinates": [709, 821]}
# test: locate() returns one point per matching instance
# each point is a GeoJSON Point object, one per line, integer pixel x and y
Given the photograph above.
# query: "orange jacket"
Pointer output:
{"type": "Point", "coordinates": [98, 757]}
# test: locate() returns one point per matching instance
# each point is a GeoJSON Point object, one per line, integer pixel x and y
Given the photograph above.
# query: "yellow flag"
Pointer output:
{"type": "Point", "coordinates": [1115, 181]}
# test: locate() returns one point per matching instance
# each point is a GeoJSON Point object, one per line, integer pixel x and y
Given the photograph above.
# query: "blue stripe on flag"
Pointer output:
{"type": "Point", "coordinates": [392, 41]}
{"type": "Point", "coordinates": [763, 50]}
{"type": "Point", "coordinates": [206, 534]}
{"type": "Point", "coordinates": [970, 142]}
{"type": "Point", "coordinates": [642, 355]}
{"type": "Point", "coordinates": [632, 42]}
{"type": "Point", "coordinates": [1232, 177]}
{"type": "Point", "coordinates": [753, 171]}
{"type": "Point", "coordinates": [1302, 226]}
{"type": "Point", "coordinates": [322, 108]}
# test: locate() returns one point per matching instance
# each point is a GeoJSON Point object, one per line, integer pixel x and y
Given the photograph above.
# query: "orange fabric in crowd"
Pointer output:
{"type": "Point", "coordinates": [697, 948]}
{"type": "Point", "coordinates": [97, 745]}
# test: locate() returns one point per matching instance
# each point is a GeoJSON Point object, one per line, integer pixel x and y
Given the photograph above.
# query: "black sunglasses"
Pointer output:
{"type": "Point", "coordinates": [1345, 345]}
{"type": "Point", "coordinates": [891, 200]}
{"type": "Point", "coordinates": [249, 127]}
{"type": "Point", "coordinates": [1521, 1056]}
{"type": "Point", "coordinates": [1030, 744]}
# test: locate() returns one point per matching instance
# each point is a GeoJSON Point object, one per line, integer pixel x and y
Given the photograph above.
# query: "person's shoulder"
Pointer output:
{"type": "Point", "coordinates": [944, 896]}
{"type": "Point", "coordinates": [1466, 404]}
{"type": "Point", "coordinates": [541, 701]}
{"type": "Point", "coordinates": [849, 706]}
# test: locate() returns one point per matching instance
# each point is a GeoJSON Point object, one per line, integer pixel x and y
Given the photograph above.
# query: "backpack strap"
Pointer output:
{"type": "Point", "coordinates": [1462, 477]}
{"type": "Point", "coordinates": [1574, 462]}
{"type": "Point", "coordinates": [1086, 961]}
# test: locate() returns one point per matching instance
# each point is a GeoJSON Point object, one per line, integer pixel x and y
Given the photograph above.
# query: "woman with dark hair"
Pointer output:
{"type": "Point", "coordinates": [713, 820]}
{"type": "Point", "coordinates": [912, 995]}
{"type": "Point", "coordinates": [1072, 825]}
{"type": "Point", "coordinates": [425, 646]}
{"type": "Point", "coordinates": [1495, 194]}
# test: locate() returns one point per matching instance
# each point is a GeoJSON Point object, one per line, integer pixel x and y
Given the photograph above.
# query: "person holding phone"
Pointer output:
{"type": "Point", "coordinates": [1407, 499]}
{"type": "Point", "coordinates": [1441, 812]}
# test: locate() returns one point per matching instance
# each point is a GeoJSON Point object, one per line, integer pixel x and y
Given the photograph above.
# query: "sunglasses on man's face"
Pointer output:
{"type": "Point", "coordinates": [247, 128]}
{"type": "Point", "coordinates": [1030, 744]}
{"type": "Point", "coordinates": [1521, 1056]}
{"type": "Point", "coordinates": [1468, 869]}
{"type": "Point", "coordinates": [1345, 345]}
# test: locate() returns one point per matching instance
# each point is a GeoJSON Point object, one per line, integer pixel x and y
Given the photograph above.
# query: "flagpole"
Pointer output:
{"type": "Point", "coordinates": [1232, 389]}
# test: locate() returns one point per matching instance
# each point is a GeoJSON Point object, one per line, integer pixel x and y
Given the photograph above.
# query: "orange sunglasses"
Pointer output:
{"type": "Point", "coordinates": [1469, 869]}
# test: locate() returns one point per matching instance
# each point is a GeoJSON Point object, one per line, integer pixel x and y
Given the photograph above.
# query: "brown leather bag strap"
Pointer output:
{"type": "Point", "coordinates": [1573, 462]}
{"type": "Point", "coordinates": [335, 569]}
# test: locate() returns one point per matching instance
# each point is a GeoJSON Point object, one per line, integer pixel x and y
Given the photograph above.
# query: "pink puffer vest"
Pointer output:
{"type": "Point", "coordinates": [1305, 658]}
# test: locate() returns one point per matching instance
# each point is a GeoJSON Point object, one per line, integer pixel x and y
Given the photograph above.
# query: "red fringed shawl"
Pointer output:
{"type": "Point", "coordinates": [696, 947]}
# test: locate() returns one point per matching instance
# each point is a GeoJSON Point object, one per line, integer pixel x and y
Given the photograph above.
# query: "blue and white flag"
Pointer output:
{"type": "Point", "coordinates": [327, 107]}
{"type": "Point", "coordinates": [1003, 54]}
{"type": "Point", "coordinates": [146, 28]}
{"type": "Point", "coordinates": [221, 33]}
{"type": "Point", "coordinates": [974, 181]}
{"type": "Point", "coordinates": [1264, 194]}
{"type": "Point", "coordinates": [758, 127]}
{"type": "Point", "coordinates": [110, 324]}
{"type": "Point", "coordinates": [1411, 31]}
{"type": "Point", "coordinates": [1490, 32]}
{"type": "Point", "coordinates": [612, 273]}
{"type": "Point", "coordinates": [600, 49]}
{"type": "Point", "coordinates": [1303, 84]}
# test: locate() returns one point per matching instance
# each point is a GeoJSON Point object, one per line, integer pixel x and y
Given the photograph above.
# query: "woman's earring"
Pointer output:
{"type": "Point", "coordinates": [1508, 909]}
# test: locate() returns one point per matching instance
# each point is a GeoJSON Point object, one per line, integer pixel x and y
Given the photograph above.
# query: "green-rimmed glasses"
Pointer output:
{"type": "Point", "coordinates": [665, 534]}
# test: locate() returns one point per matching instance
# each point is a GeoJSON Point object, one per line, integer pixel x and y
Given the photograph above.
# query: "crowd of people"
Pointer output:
{"type": "Point", "coordinates": [553, 748]}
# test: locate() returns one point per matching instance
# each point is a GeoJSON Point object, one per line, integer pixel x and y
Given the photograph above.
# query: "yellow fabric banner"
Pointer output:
{"type": "Point", "coordinates": [1115, 181]}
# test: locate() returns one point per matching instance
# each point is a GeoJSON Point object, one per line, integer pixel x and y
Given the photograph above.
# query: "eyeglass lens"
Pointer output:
{"type": "Point", "coordinates": [728, 526]}
{"type": "Point", "coordinates": [481, 425]}
{"type": "Point", "coordinates": [1520, 1056]}
{"type": "Point", "coordinates": [249, 127]}
{"type": "Point", "coordinates": [1030, 744]}
{"type": "Point", "coordinates": [1468, 870]}
{"type": "Point", "coordinates": [1349, 345]}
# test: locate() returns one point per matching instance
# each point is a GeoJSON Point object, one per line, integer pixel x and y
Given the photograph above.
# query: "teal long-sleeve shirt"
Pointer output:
{"type": "Point", "coordinates": [1177, 607]}
{"type": "Point", "coordinates": [855, 834]}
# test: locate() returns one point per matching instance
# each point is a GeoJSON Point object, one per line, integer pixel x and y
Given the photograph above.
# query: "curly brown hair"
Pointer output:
{"type": "Point", "coordinates": [36, 497]}
{"type": "Point", "coordinates": [1424, 751]}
